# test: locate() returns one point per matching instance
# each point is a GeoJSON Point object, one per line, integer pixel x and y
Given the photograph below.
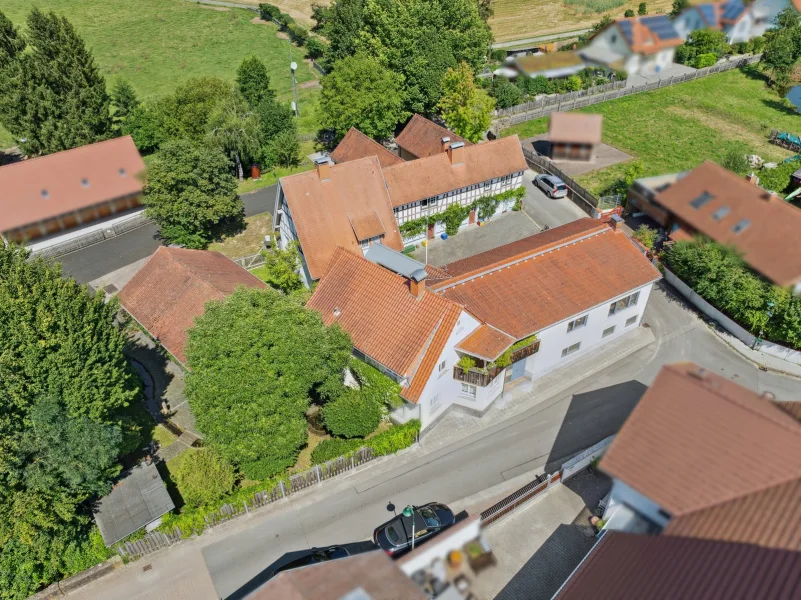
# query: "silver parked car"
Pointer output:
{"type": "Point", "coordinates": [551, 185]}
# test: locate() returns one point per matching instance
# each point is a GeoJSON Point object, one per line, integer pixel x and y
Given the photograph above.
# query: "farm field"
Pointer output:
{"type": "Point", "coordinates": [157, 44]}
{"type": "Point", "coordinates": [678, 127]}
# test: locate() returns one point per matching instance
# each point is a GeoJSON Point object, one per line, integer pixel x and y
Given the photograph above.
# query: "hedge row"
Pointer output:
{"type": "Point", "coordinates": [270, 12]}
{"type": "Point", "coordinates": [388, 442]}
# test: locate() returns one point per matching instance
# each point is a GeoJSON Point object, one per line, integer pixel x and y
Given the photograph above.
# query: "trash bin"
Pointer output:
{"type": "Point", "coordinates": [444, 236]}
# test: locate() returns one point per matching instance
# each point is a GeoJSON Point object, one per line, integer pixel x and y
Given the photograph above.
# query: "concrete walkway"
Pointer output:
{"type": "Point", "coordinates": [769, 362]}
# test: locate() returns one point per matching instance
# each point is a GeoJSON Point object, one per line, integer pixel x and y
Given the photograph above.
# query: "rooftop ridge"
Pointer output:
{"type": "Point", "coordinates": [28, 161]}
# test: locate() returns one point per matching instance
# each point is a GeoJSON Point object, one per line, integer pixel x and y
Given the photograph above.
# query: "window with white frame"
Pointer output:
{"type": "Point", "coordinates": [608, 331]}
{"type": "Point", "coordinates": [623, 303]}
{"type": "Point", "coordinates": [469, 390]}
{"type": "Point", "coordinates": [577, 323]}
{"type": "Point", "coordinates": [571, 349]}
{"type": "Point", "coordinates": [632, 320]}
{"type": "Point", "coordinates": [442, 368]}
{"type": "Point", "coordinates": [434, 402]}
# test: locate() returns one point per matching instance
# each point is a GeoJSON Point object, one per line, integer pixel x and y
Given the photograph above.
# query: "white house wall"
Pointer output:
{"type": "Point", "coordinates": [626, 506]}
{"type": "Point", "coordinates": [764, 14]}
{"type": "Point", "coordinates": [742, 31]}
{"type": "Point", "coordinates": [687, 22]}
{"type": "Point", "coordinates": [289, 234]}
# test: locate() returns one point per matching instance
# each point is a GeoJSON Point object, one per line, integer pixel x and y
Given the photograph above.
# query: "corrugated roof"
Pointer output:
{"type": "Point", "coordinates": [696, 440]}
{"type": "Point", "coordinates": [486, 342]}
{"type": "Point", "coordinates": [356, 145]}
{"type": "Point", "coordinates": [527, 293]}
{"type": "Point", "coordinates": [769, 241]}
{"type": "Point", "coordinates": [385, 321]}
{"type": "Point", "coordinates": [575, 128]}
{"type": "Point", "coordinates": [171, 290]}
{"type": "Point", "coordinates": [623, 565]}
{"type": "Point", "coordinates": [322, 210]}
{"type": "Point", "coordinates": [423, 138]}
{"type": "Point", "coordinates": [427, 177]}
{"type": "Point", "coordinates": [40, 188]}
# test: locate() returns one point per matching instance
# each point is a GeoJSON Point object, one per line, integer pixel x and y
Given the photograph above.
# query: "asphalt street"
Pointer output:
{"type": "Point", "coordinates": [95, 261]}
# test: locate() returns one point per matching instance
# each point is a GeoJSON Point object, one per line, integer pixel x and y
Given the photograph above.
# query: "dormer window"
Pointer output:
{"type": "Point", "coordinates": [122, 172]}
{"type": "Point", "coordinates": [45, 194]}
{"type": "Point", "coordinates": [85, 182]}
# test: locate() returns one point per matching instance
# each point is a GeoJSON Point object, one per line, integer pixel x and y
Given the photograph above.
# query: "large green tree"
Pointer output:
{"type": "Point", "coordinates": [253, 81]}
{"type": "Point", "coordinates": [466, 108]}
{"type": "Point", "coordinates": [123, 102]}
{"type": "Point", "coordinates": [257, 359]}
{"type": "Point", "coordinates": [54, 97]}
{"type": "Point", "coordinates": [191, 193]}
{"type": "Point", "coordinates": [235, 128]}
{"type": "Point", "coordinates": [361, 93]}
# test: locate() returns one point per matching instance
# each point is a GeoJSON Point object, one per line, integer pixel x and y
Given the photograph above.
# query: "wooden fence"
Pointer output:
{"type": "Point", "coordinates": [151, 542]}
{"type": "Point", "coordinates": [575, 100]}
{"type": "Point", "coordinates": [578, 194]}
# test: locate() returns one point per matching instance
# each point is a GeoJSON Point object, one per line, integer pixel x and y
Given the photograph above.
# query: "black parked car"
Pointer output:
{"type": "Point", "coordinates": [312, 557]}
{"type": "Point", "coordinates": [395, 536]}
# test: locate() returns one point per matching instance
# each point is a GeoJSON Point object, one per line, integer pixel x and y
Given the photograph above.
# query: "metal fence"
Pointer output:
{"type": "Point", "coordinates": [540, 485]}
{"type": "Point", "coordinates": [94, 237]}
{"type": "Point", "coordinates": [575, 100]}
{"type": "Point", "coordinates": [251, 262]}
{"type": "Point", "coordinates": [578, 194]}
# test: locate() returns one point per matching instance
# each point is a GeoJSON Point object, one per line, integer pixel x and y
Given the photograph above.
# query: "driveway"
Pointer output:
{"type": "Point", "coordinates": [548, 211]}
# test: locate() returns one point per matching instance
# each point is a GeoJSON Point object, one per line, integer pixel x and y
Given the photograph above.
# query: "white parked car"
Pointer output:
{"type": "Point", "coordinates": [551, 185]}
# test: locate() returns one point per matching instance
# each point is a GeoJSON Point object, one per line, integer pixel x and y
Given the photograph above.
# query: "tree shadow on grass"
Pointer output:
{"type": "Point", "coordinates": [229, 227]}
{"type": "Point", "coordinates": [782, 107]}
{"type": "Point", "coordinates": [172, 487]}
{"type": "Point", "coordinates": [753, 72]}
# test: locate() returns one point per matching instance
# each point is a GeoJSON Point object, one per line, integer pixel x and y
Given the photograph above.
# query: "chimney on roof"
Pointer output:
{"type": "Point", "coordinates": [323, 168]}
{"type": "Point", "coordinates": [752, 179]}
{"type": "Point", "coordinates": [417, 282]}
{"type": "Point", "coordinates": [455, 151]}
{"type": "Point", "coordinates": [446, 141]}
{"type": "Point", "coordinates": [616, 222]}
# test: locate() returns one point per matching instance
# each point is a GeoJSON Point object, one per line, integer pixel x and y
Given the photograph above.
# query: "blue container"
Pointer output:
{"type": "Point", "coordinates": [444, 236]}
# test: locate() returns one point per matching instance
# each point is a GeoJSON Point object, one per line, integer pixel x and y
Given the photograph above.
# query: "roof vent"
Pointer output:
{"type": "Point", "coordinates": [45, 194]}
{"type": "Point", "coordinates": [85, 182]}
{"type": "Point", "coordinates": [337, 312]}
{"type": "Point", "coordinates": [699, 374]}
{"type": "Point", "coordinates": [768, 396]}
{"type": "Point", "coordinates": [122, 172]}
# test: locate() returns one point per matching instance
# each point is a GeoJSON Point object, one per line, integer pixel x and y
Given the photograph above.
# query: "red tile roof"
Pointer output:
{"type": "Point", "coordinates": [524, 294]}
{"type": "Point", "coordinates": [323, 211]}
{"type": "Point", "coordinates": [696, 440]}
{"type": "Point", "coordinates": [386, 322]}
{"type": "Point", "coordinates": [40, 188]}
{"type": "Point", "coordinates": [356, 145]}
{"type": "Point", "coordinates": [486, 342]}
{"type": "Point", "coordinates": [623, 565]}
{"type": "Point", "coordinates": [423, 138]}
{"type": "Point", "coordinates": [171, 290]}
{"type": "Point", "coordinates": [575, 128]}
{"type": "Point", "coordinates": [427, 177]}
{"type": "Point", "coordinates": [770, 244]}
{"type": "Point", "coordinates": [367, 225]}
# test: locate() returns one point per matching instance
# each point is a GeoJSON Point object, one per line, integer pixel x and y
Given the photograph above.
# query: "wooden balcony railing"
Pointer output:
{"type": "Point", "coordinates": [526, 351]}
{"type": "Point", "coordinates": [476, 376]}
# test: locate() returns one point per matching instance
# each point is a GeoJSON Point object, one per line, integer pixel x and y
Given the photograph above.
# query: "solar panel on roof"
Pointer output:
{"type": "Point", "coordinates": [661, 25]}
{"type": "Point", "coordinates": [625, 28]}
{"type": "Point", "coordinates": [708, 12]}
{"type": "Point", "coordinates": [733, 9]}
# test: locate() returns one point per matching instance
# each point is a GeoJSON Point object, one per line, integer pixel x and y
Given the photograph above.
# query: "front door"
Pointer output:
{"type": "Point", "coordinates": [516, 371]}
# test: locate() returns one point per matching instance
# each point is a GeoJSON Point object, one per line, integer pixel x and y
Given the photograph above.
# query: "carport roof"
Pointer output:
{"type": "Point", "coordinates": [575, 128]}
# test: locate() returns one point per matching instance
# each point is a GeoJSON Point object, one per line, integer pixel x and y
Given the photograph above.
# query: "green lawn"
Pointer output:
{"type": "Point", "coordinates": [676, 128]}
{"type": "Point", "coordinates": [157, 44]}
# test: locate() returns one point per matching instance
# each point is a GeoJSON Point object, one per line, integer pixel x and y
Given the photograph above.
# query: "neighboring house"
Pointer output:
{"type": "Point", "coordinates": [421, 138]}
{"type": "Point", "coordinates": [636, 45]}
{"type": "Point", "coordinates": [731, 210]}
{"type": "Point", "coordinates": [703, 457]}
{"type": "Point", "coordinates": [623, 565]}
{"type": "Point", "coordinates": [358, 203]}
{"type": "Point", "coordinates": [733, 18]}
{"type": "Point", "coordinates": [356, 145]}
{"type": "Point", "coordinates": [764, 13]}
{"type": "Point", "coordinates": [574, 136]}
{"type": "Point", "coordinates": [138, 499]}
{"type": "Point", "coordinates": [171, 290]}
{"type": "Point", "coordinates": [534, 304]}
{"type": "Point", "coordinates": [553, 65]}
{"type": "Point", "coordinates": [49, 199]}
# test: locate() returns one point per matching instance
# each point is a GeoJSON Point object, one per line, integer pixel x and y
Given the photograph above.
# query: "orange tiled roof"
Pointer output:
{"type": "Point", "coordinates": [356, 145]}
{"type": "Point", "coordinates": [323, 211]}
{"type": "Point", "coordinates": [423, 138]}
{"type": "Point", "coordinates": [427, 177]}
{"type": "Point", "coordinates": [770, 244]}
{"type": "Point", "coordinates": [40, 188]}
{"type": "Point", "coordinates": [486, 342]}
{"type": "Point", "coordinates": [171, 290]}
{"type": "Point", "coordinates": [386, 322]}
{"type": "Point", "coordinates": [527, 293]}
{"type": "Point", "coordinates": [367, 225]}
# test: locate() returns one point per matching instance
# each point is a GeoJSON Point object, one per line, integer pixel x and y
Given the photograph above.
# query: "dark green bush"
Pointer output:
{"type": "Point", "coordinates": [506, 94]}
{"type": "Point", "coordinates": [628, 13]}
{"type": "Point", "coordinates": [705, 60]}
{"type": "Point", "coordinates": [269, 12]}
{"type": "Point", "coordinates": [315, 48]}
{"type": "Point", "coordinates": [375, 384]}
{"type": "Point", "coordinates": [498, 54]}
{"type": "Point", "coordinates": [353, 414]}
{"type": "Point", "coordinates": [331, 449]}
{"type": "Point", "coordinates": [388, 442]}
{"type": "Point", "coordinates": [778, 179]}
{"type": "Point", "coordinates": [299, 34]}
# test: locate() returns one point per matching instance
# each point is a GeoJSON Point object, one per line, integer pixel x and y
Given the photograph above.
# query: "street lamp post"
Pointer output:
{"type": "Point", "coordinates": [769, 313]}
{"type": "Point", "coordinates": [409, 512]}
{"type": "Point", "coordinates": [293, 66]}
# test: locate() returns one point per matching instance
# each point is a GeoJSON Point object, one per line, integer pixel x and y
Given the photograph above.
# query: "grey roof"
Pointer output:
{"type": "Point", "coordinates": [139, 497]}
{"type": "Point", "coordinates": [395, 261]}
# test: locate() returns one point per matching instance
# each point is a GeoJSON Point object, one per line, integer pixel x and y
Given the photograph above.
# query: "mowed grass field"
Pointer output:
{"type": "Point", "coordinates": [678, 127]}
{"type": "Point", "coordinates": [157, 44]}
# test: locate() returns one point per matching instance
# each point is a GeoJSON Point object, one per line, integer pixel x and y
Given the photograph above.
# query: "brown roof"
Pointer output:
{"type": "Point", "coordinates": [427, 177]}
{"type": "Point", "coordinates": [557, 235]}
{"type": "Point", "coordinates": [697, 439]}
{"type": "Point", "coordinates": [39, 188]}
{"type": "Point", "coordinates": [486, 342]}
{"type": "Point", "coordinates": [575, 128]}
{"type": "Point", "coordinates": [792, 408]}
{"type": "Point", "coordinates": [356, 145]}
{"type": "Point", "coordinates": [624, 565]}
{"type": "Point", "coordinates": [537, 63]}
{"type": "Point", "coordinates": [171, 290]}
{"type": "Point", "coordinates": [423, 138]}
{"type": "Point", "coordinates": [374, 572]}
{"type": "Point", "coordinates": [526, 293]}
{"type": "Point", "coordinates": [367, 225]}
{"type": "Point", "coordinates": [385, 322]}
{"type": "Point", "coordinates": [323, 211]}
{"type": "Point", "coordinates": [770, 244]}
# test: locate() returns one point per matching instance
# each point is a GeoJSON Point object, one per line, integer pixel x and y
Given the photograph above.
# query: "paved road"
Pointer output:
{"type": "Point", "coordinates": [95, 261]}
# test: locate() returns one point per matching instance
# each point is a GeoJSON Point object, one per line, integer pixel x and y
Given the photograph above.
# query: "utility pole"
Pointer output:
{"type": "Point", "coordinates": [293, 66]}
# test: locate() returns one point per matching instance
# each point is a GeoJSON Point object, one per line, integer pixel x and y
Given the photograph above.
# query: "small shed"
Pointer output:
{"type": "Point", "coordinates": [574, 136]}
{"type": "Point", "coordinates": [552, 65]}
{"type": "Point", "coordinates": [138, 499]}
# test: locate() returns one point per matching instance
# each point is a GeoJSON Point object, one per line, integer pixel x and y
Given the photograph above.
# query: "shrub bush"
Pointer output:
{"type": "Point", "coordinates": [498, 54]}
{"type": "Point", "coordinates": [778, 179]}
{"type": "Point", "coordinates": [629, 13]}
{"type": "Point", "coordinates": [353, 414]}
{"type": "Point", "coordinates": [506, 94]}
{"type": "Point", "coordinates": [646, 236]}
{"type": "Point", "coordinates": [315, 48]}
{"type": "Point", "coordinates": [736, 161]}
{"type": "Point", "coordinates": [375, 384]}
{"type": "Point", "coordinates": [387, 442]}
{"type": "Point", "coordinates": [202, 476]}
{"type": "Point", "coordinates": [453, 217]}
{"type": "Point", "coordinates": [705, 60]}
{"type": "Point", "coordinates": [642, 9]}
{"type": "Point", "coordinates": [269, 12]}
{"type": "Point", "coordinates": [299, 34]}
